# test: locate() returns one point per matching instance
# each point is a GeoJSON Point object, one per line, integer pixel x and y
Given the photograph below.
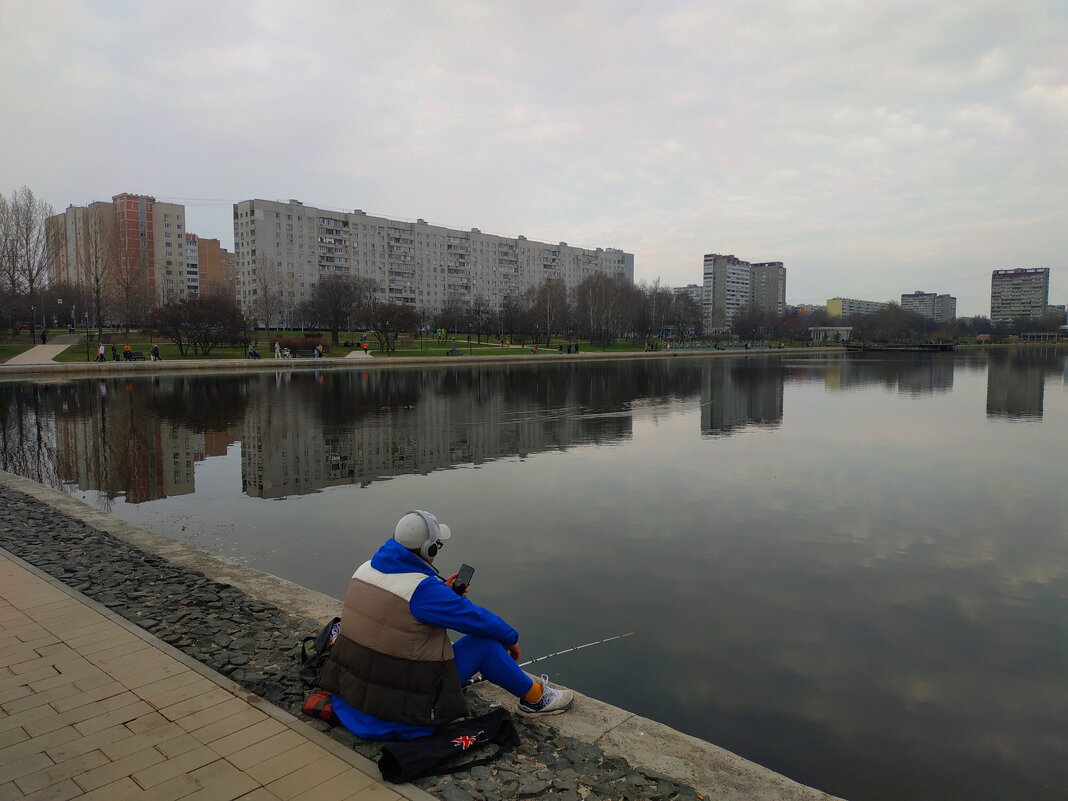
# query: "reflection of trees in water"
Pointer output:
{"type": "Point", "coordinates": [28, 444]}
{"type": "Point", "coordinates": [200, 403]}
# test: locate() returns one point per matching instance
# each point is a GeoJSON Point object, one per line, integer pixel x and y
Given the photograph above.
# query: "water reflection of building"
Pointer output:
{"type": "Point", "coordinates": [1015, 386]}
{"type": "Point", "coordinates": [739, 394]}
{"type": "Point", "coordinates": [409, 423]}
{"type": "Point", "coordinates": [108, 436]}
{"type": "Point", "coordinates": [922, 375]}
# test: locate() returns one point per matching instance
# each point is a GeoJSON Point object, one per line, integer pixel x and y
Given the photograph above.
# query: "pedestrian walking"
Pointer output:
{"type": "Point", "coordinates": [100, 353]}
{"type": "Point", "coordinates": [155, 353]}
{"type": "Point", "coordinates": [44, 336]}
{"type": "Point", "coordinates": [277, 350]}
{"type": "Point", "coordinates": [126, 351]}
{"type": "Point", "coordinates": [114, 353]}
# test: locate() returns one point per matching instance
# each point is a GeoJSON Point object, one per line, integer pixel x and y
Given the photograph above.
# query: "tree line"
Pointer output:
{"type": "Point", "coordinates": [25, 256]}
{"type": "Point", "coordinates": [892, 324]}
{"type": "Point", "coordinates": [600, 310]}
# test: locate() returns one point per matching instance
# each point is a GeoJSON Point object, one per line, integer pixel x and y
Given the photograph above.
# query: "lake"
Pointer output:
{"type": "Point", "coordinates": [850, 568]}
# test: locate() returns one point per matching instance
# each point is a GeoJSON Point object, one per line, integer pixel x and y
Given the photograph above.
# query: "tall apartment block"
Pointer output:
{"type": "Point", "coordinates": [767, 287]}
{"type": "Point", "coordinates": [77, 237]}
{"type": "Point", "coordinates": [287, 247]}
{"type": "Point", "coordinates": [850, 307]}
{"type": "Point", "coordinates": [142, 242]}
{"type": "Point", "coordinates": [1019, 294]}
{"type": "Point", "coordinates": [731, 285]}
{"type": "Point", "coordinates": [941, 308]}
{"type": "Point", "coordinates": [152, 246]}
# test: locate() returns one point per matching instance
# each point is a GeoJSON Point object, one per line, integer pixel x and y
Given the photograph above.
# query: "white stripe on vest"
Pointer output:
{"type": "Point", "coordinates": [400, 584]}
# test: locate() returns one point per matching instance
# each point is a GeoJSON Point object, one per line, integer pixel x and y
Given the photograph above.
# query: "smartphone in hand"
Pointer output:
{"type": "Point", "coordinates": [463, 579]}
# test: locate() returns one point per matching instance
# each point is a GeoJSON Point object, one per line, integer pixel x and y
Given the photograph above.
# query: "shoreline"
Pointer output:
{"type": "Point", "coordinates": [120, 369]}
{"type": "Point", "coordinates": [639, 757]}
{"type": "Point", "coordinates": [270, 365]}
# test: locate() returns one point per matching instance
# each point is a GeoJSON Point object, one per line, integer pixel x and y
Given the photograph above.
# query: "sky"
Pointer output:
{"type": "Point", "coordinates": [874, 147]}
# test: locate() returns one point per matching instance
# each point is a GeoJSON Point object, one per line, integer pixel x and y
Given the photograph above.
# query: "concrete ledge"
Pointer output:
{"type": "Point", "coordinates": [10, 371]}
{"type": "Point", "coordinates": [710, 769]}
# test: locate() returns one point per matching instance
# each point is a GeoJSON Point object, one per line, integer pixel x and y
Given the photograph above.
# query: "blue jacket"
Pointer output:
{"type": "Point", "coordinates": [433, 603]}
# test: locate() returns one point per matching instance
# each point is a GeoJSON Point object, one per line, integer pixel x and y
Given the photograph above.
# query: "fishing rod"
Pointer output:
{"type": "Point", "coordinates": [559, 653]}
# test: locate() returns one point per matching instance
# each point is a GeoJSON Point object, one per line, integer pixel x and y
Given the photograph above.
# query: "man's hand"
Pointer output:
{"type": "Point", "coordinates": [515, 651]}
{"type": "Point", "coordinates": [449, 582]}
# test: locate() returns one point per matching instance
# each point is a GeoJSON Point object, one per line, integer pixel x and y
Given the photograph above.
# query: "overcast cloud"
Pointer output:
{"type": "Point", "coordinates": [874, 147]}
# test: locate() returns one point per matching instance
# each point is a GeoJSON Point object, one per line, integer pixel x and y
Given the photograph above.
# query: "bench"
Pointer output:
{"type": "Point", "coordinates": [305, 354]}
{"type": "Point", "coordinates": [137, 356]}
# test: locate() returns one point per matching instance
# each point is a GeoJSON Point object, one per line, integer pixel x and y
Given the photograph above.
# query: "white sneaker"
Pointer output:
{"type": "Point", "coordinates": [552, 702]}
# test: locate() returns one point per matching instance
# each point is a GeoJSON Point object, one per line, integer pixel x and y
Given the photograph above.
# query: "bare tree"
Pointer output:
{"type": "Point", "coordinates": [388, 320]}
{"type": "Point", "coordinates": [201, 324]}
{"type": "Point", "coordinates": [267, 288]}
{"type": "Point", "coordinates": [602, 306]}
{"type": "Point", "coordinates": [480, 315]}
{"type": "Point", "coordinates": [660, 303]}
{"type": "Point", "coordinates": [550, 306]}
{"type": "Point", "coordinates": [25, 247]}
{"type": "Point", "coordinates": [131, 278]}
{"type": "Point", "coordinates": [685, 315]}
{"type": "Point", "coordinates": [336, 299]}
{"type": "Point", "coordinates": [34, 246]}
{"type": "Point", "coordinates": [452, 316]}
{"type": "Point", "coordinates": [102, 261]}
{"type": "Point", "coordinates": [9, 262]}
{"type": "Point", "coordinates": [515, 314]}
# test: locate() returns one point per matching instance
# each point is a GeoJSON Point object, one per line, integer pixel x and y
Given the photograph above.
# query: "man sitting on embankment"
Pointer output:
{"type": "Point", "coordinates": [392, 670]}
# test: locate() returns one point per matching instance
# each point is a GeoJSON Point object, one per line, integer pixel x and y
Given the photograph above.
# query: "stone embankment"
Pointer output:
{"type": "Point", "coordinates": [38, 369]}
{"type": "Point", "coordinates": [248, 626]}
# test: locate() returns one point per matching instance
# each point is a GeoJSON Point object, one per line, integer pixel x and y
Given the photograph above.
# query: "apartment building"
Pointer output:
{"type": "Point", "coordinates": [767, 286]}
{"type": "Point", "coordinates": [79, 238]}
{"type": "Point", "coordinates": [694, 291]}
{"type": "Point", "coordinates": [941, 308]}
{"type": "Point", "coordinates": [216, 268]}
{"type": "Point", "coordinates": [1022, 293]}
{"type": "Point", "coordinates": [285, 247]}
{"type": "Point", "coordinates": [135, 245]}
{"type": "Point", "coordinates": [731, 284]}
{"type": "Point", "coordinates": [850, 307]}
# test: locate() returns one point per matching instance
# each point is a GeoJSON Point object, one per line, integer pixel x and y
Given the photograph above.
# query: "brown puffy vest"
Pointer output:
{"type": "Point", "coordinates": [385, 662]}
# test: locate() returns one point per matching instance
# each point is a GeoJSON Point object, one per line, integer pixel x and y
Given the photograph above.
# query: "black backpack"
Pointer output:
{"type": "Point", "coordinates": [311, 664]}
{"type": "Point", "coordinates": [442, 752]}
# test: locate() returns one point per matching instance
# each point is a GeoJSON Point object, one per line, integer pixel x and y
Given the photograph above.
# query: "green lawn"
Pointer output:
{"type": "Point", "coordinates": [167, 350]}
{"type": "Point", "coordinates": [10, 347]}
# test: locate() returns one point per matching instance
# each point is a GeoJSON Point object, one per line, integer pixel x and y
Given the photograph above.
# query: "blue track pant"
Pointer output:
{"type": "Point", "coordinates": [488, 657]}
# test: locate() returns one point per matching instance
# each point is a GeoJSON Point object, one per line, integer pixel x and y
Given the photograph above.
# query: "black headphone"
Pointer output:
{"type": "Point", "coordinates": [429, 548]}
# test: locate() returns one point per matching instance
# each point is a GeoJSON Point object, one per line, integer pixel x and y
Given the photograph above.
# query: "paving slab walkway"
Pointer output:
{"type": "Point", "coordinates": [93, 707]}
{"type": "Point", "coordinates": [45, 354]}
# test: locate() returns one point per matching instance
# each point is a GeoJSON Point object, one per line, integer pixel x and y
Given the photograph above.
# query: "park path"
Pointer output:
{"type": "Point", "coordinates": [45, 354]}
{"type": "Point", "coordinates": [94, 707]}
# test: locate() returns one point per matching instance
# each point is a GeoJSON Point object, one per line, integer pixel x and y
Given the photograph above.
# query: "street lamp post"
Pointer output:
{"type": "Point", "coordinates": [87, 336]}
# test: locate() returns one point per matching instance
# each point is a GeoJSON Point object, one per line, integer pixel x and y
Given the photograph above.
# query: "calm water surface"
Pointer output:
{"type": "Point", "coordinates": [851, 569]}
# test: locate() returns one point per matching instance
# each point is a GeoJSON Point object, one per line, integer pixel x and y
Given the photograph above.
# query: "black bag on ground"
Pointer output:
{"type": "Point", "coordinates": [435, 755]}
{"type": "Point", "coordinates": [311, 665]}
